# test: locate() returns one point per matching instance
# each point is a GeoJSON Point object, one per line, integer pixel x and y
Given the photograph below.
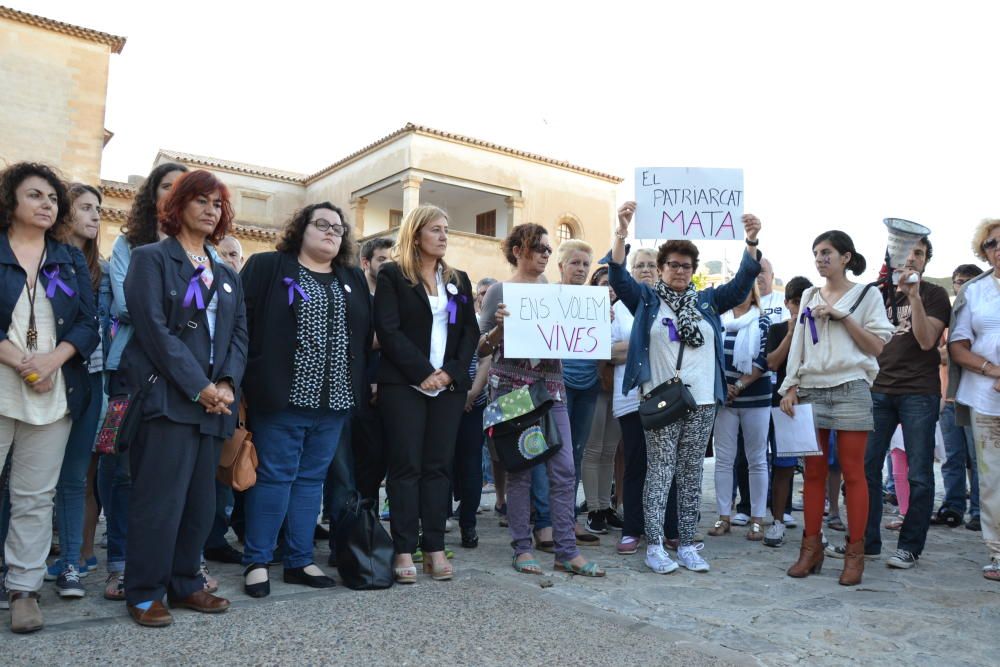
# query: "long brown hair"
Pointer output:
{"type": "Point", "coordinates": [91, 247]}
{"type": "Point", "coordinates": [406, 253]}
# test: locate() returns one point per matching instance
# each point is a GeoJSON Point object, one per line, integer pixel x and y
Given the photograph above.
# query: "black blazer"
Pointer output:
{"type": "Point", "coordinates": [273, 326]}
{"type": "Point", "coordinates": [403, 324]}
{"type": "Point", "coordinates": [172, 341]}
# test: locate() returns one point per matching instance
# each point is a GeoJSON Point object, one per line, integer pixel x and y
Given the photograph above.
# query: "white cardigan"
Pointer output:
{"type": "Point", "coordinates": [836, 358]}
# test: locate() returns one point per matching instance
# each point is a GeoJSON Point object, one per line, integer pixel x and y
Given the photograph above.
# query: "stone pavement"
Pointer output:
{"type": "Point", "coordinates": [745, 611]}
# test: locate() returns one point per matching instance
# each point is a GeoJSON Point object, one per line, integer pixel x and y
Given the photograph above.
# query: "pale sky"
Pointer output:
{"type": "Point", "coordinates": [840, 114]}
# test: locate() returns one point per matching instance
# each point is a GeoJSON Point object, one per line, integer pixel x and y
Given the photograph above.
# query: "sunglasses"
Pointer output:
{"type": "Point", "coordinates": [542, 249]}
{"type": "Point", "coordinates": [990, 244]}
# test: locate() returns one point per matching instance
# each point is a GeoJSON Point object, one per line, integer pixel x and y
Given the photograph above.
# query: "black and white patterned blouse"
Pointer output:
{"type": "Point", "coordinates": [322, 375]}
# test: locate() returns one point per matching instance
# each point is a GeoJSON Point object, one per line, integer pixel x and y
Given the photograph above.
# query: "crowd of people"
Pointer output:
{"type": "Point", "coordinates": [358, 365]}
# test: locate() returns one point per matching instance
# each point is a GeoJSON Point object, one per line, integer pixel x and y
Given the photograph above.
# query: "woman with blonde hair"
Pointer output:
{"type": "Point", "coordinates": [426, 324]}
{"type": "Point", "coordinates": [974, 379]}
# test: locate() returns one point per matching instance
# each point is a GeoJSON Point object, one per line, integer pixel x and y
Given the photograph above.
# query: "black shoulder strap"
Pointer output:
{"type": "Point", "coordinates": [680, 357]}
{"type": "Point", "coordinates": [860, 299]}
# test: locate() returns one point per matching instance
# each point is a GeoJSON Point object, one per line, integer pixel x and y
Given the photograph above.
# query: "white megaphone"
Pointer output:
{"type": "Point", "coordinates": [903, 236]}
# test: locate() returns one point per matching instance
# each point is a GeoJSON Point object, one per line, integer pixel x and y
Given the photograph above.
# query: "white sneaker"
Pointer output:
{"type": "Point", "coordinates": [790, 521]}
{"type": "Point", "coordinates": [740, 519]}
{"type": "Point", "coordinates": [691, 559]}
{"type": "Point", "coordinates": [657, 559]}
{"type": "Point", "coordinates": [775, 535]}
{"type": "Point", "coordinates": [449, 525]}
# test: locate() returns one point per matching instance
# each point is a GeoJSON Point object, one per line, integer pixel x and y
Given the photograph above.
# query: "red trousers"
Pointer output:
{"type": "Point", "coordinates": [851, 455]}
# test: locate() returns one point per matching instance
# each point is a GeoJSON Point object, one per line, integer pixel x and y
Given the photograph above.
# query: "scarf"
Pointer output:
{"type": "Point", "coordinates": [747, 345]}
{"type": "Point", "coordinates": [685, 305]}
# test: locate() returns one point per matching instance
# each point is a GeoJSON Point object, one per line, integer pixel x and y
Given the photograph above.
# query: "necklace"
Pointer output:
{"type": "Point", "coordinates": [201, 259]}
{"type": "Point", "coordinates": [31, 338]}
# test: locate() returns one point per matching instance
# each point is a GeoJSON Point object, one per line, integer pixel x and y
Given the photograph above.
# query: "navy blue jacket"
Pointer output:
{"type": "Point", "coordinates": [75, 318]}
{"type": "Point", "coordinates": [172, 341]}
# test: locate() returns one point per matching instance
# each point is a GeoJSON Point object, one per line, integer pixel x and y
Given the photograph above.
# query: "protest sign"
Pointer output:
{"type": "Point", "coordinates": [688, 203]}
{"type": "Point", "coordinates": [557, 322]}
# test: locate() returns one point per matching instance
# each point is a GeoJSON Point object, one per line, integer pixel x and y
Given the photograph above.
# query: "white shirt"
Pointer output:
{"type": "Point", "coordinates": [439, 329]}
{"type": "Point", "coordinates": [773, 305]}
{"type": "Point", "coordinates": [697, 366]}
{"type": "Point", "coordinates": [621, 330]}
{"type": "Point", "coordinates": [836, 358]}
{"type": "Point", "coordinates": [979, 323]}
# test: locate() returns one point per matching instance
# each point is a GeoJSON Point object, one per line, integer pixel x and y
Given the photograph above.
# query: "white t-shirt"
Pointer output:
{"type": "Point", "coordinates": [773, 305]}
{"type": "Point", "coordinates": [439, 329]}
{"type": "Point", "coordinates": [621, 330]}
{"type": "Point", "coordinates": [979, 322]}
{"type": "Point", "coordinates": [698, 366]}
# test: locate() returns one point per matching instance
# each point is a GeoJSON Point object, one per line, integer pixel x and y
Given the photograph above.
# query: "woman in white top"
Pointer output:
{"type": "Point", "coordinates": [832, 362]}
{"type": "Point", "coordinates": [974, 378]}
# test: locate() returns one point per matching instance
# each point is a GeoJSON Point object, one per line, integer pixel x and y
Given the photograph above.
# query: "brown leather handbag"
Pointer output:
{"type": "Point", "coordinates": [238, 462]}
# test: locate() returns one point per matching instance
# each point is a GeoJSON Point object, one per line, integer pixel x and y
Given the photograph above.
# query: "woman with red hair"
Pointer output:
{"type": "Point", "coordinates": [188, 352]}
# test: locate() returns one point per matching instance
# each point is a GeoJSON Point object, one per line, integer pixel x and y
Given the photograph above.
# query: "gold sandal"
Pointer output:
{"type": "Point", "coordinates": [721, 527]}
{"type": "Point", "coordinates": [755, 533]}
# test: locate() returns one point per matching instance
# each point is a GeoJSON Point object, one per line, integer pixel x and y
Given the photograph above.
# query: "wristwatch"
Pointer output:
{"type": "Point", "coordinates": [739, 385]}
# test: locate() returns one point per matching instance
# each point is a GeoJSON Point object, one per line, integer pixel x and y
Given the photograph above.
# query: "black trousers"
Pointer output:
{"type": "Point", "coordinates": [634, 441]}
{"type": "Point", "coordinates": [420, 435]}
{"type": "Point", "coordinates": [469, 466]}
{"type": "Point", "coordinates": [171, 509]}
{"type": "Point", "coordinates": [368, 443]}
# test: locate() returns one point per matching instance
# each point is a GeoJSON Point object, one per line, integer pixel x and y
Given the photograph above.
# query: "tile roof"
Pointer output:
{"type": "Point", "coordinates": [114, 41]}
{"type": "Point", "coordinates": [237, 167]}
{"type": "Point", "coordinates": [117, 189]}
{"type": "Point", "coordinates": [254, 233]}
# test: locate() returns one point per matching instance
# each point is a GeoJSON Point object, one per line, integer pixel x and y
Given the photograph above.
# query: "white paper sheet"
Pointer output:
{"type": "Point", "coordinates": [795, 436]}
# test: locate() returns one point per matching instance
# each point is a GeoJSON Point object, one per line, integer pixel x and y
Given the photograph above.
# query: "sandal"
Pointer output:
{"type": "Point", "coordinates": [527, 566]}
{"type": "Point", "coordinates": [992, 571]}
{"type": "Point", "coordinates": [895, 524]}
{"type": "Point", "coordinates": [405, 575]}
{"type": "Point", "coordinates": [834, 523]}
{"type": "Point", "coordinates": [589, 569]}
{"type": "Point", "coordinates": [438, 574]}
{"type": "Point", "coordinates": [721, 527]}
{"type": "Point", "coordinates": [756, 533]}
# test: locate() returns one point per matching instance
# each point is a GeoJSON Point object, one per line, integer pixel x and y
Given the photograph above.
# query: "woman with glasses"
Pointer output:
{"type": "Point", "coordinates": [527, 249]}
{"type": "Point", "coordinates": [974, 379]}
{"type": "Point", "coordinates": [668, 314]}
{"type": "Point", "coordinates": [309, 320]}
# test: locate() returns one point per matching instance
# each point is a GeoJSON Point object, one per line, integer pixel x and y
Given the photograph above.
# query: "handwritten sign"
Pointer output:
{"type": "Point", "coordinates": [557, 322]}
{"type": "Point", "coordinates": [688, 203]}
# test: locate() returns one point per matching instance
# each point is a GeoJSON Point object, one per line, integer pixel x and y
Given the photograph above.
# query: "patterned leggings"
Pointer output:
{"type": "Point", "coordinates": [679, 447]}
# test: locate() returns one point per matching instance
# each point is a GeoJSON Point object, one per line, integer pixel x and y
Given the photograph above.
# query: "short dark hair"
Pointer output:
{"type": "Point", "coordinates": [598, 272]}
{"type": "Point", "coordinates": [928, 247]}
{"type": "Point", "coordinates": [677, 247]}
{"type": "Point", "coordinates": [295, 229]}
{"type": "Point", "coordinates": [843, 244]}
{"type": "Point", "coordinates": [12, 177]}
{"type": "Point", "coordinates": [524, 236]}
{"type": "Point", "coordinates": [372, 246]}
{"type": "Point", "coordinates": [142, 224]}
{"type": "Point", "coordinates": [966, 271]}
{"type": "Point", "coordinates": [795, 287]}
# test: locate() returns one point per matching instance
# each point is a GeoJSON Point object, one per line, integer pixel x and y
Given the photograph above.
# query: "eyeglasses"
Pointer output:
{"type": "Point", "coordinates": [326, 226]}
{"type": "Point", "coordinates": [677, 266]}
{"type": "Point", "coordinates": [639, 266]}
{"type": "Point", "coordinates": [542, 249]}
{"type": "Point", "coordinates": [990, 244]}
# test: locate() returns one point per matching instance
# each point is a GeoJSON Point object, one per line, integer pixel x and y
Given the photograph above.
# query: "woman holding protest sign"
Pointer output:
{"type": "Point", "coordinates": [678, 331]}
{"type": "Point", "coordinates": [527, 249]}
{"type": "Point", "coordinates": [832, 362]}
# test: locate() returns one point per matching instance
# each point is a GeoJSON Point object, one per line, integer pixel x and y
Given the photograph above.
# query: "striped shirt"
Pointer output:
{"type": "Point", "coordinates": [758, 394]}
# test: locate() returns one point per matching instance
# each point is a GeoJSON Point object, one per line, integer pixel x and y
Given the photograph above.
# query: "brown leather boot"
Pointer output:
{"type": "Point", "coordinates": [854, 564]}
{"type": "Point", "coordinates": [810, 557]}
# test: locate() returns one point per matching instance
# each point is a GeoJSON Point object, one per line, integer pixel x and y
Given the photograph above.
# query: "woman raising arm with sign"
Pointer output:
{"type": "Point", "coordinates": [673, 318]}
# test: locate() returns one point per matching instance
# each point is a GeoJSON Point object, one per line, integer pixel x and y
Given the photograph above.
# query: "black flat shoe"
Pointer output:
{"type": "Point", "coordinates": [225, 554]}
{"type": "Point", "coordinates": [470, 540]}
{"type": "Point", "coordinates": [260, 590]}
{"type": "Point", "coordinates": [974, 524]}
{"type": "Point", "coordinates": [320, 533]}
{"type": "Point", "coordinates": [297, 575]}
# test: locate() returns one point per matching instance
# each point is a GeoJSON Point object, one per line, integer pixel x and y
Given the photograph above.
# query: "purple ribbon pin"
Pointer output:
{"type": "Point", "coordinates": [194, 290]}
{"type": "Point", "coordinates": [671, 329]}
{"type": "Point", "coordinates": [452, 306]}
{"type": "Point", "coordinates": [114, 326]}
{"type": "Point", "coordinates": [808, 315]}
{"type": "Point", "coordinates": [52, 273]}
{"type": "Point", "coordinates": [293, 287]}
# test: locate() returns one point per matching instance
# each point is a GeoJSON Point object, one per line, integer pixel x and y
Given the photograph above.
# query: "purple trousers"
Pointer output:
{"type": "Point", "coordinates": [562, 496]}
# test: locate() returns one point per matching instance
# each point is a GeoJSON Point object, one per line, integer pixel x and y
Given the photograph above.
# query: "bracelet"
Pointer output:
{"type": "Point", "coordinates": [982, 369]}
{"type": "Point", "coordinates": [486, 339]}
{"type": "Point", "coordinates": [739, 385]}
{"type": "Point", "coordinates": [619, 235]}
{"type": "Point", "coordinates": [196, 398]}
{"type": "Point", "coordinates": [754, 243]}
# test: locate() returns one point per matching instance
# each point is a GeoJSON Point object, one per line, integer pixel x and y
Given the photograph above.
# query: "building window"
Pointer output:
{"type": "Point", "coordinates": [564, 232]}
{"type": "Point", "coordinates": [486, 223]}
{"type": "Point", "coordinates": [395, 218]}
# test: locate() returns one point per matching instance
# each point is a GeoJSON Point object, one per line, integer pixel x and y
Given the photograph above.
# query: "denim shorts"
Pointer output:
{"type": "Point", "coordinates": [846, 407]}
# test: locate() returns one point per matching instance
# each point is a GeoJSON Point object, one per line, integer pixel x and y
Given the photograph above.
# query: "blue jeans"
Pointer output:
{"type": "Point", "coordinates": [71, 491]}
{"type": "Point", "coordinates": [960, 451]}
{"type": "Point", "coordinates": [918, 414]}
{"type": "Point", "coordinates": [580, 406]}
{"type": "Point", "coordinates": [220, 525]}
{"type": "Point", "coordinates": [487, 464]}
{"type": "Point", "coordinates": [294, 449]}
{"type": "Point", "coordinates": [467, 480]}
{"type": "Point", "coordinates": [114, 485]}
{"type": "Point", "coordinates": [540, 497]}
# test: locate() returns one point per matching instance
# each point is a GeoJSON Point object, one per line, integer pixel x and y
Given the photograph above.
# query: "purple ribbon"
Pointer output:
{"type": "Point", "coordinates": [115, 323]}
{"type": "Point", "coordinates": [293, 287]}
{"type": "Point", "coordinates": [452, 306]}
{"type": "Point", "coordinates": [808, 315]}
{"type": "Point", "coordinates": [52, 273]}
{"type": "Point", "coordinates": [671, 329]}
{"type": "Point", "coordinates": [194, 290]}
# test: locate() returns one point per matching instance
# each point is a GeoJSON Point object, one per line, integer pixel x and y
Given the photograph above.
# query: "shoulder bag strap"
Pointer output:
{"type": "Point", "coordinates": [680, 358]}
{"type": "Point", "coordinates": [860, 299]}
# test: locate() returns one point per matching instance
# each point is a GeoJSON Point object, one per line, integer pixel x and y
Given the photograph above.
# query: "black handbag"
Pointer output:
{"type": "Point", "coordinates": [668, 402]}
{"type": "Point", "coordinates": [518, 426]}
{"type": "Point", "coordinates": [364, 550]}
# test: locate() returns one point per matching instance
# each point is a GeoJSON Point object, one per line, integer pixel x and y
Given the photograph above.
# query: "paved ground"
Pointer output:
{"type": "Point", "coordinates": [745, 611]}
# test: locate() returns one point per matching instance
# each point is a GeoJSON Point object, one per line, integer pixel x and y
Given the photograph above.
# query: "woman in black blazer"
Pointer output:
{"type": "Point", "coordinates": [426, 325]}
{"type": "Point", "coordinates": [309, 315]}
{"type": "Point", "coordinates": [191, 341]}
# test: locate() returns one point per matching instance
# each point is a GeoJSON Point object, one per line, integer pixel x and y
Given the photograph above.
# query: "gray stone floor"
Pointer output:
{"type": "Point", "coordinates": [744, 611]}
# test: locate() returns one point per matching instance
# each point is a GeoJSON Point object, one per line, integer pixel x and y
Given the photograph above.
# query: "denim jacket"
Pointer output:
{"type": "Point", "coordinates": [74, 315]}
{"type": "Point", "coordinates": [644, 303]}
